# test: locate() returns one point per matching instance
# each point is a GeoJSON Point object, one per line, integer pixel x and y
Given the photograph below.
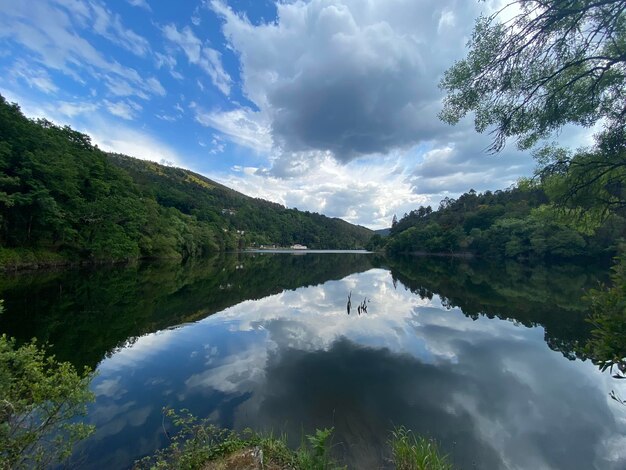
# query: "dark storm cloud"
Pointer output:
{"type": "Point", "coordinates": [365, 109]}
{"type": "Point", "coordinates": [350, 77]}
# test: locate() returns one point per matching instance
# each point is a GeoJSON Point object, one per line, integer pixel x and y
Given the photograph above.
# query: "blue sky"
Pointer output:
{"type": "Point", "coordinates": [328, 106]}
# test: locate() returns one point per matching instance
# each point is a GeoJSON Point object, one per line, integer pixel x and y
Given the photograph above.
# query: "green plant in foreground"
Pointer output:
{"type": "Point", "coordinates": [607, 346]}
{"type": "Point", "coordinates": [198, 443]}
{"type": "Point", "coordinates": [317, 456]}
{"type": "Point", "coordinates": [412, 452]}
{"type": "Point", "coordinates": [39, 399]}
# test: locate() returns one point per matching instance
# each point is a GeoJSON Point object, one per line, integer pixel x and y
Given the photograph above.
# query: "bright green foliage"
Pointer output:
{"type": "Point", "coordinates": [588, 185]}
{"type": "Point", "coordinates": [63, 200]}
{"type": "Point", "coordinates": [416, 453]}
{"type": "Point", "coordinates": [554, 62]}
{"type": "Point", "coordinates": [607, 347]}
{"type": "Point", "coordinates": [39, 401]}
{"type": "Point", "coordinates": [519, 223]}
{"type": "Point", "coordinates": [226, 211]}
{"type": "Point", "coordinates": [317, 457]}
{"type": "Point", "coordinates": [60, 194]}
{"type": "Point", "coordinates": [198, 442]}
{"type": "Point", "coordinates": [536, 66]}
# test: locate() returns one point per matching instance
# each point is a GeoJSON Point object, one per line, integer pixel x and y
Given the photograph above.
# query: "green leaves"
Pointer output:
{"type": "Point", "coordinates": [553, 62]}
{"type": "Point", "coordinates": [412, 452]}
{"type": "Point", "coordinates": [607, 346]}
{"type": "Point", "coordinates": [39, 399]}
{"type": "Point", "coordinates": [61, 195]}
{"type": "Point", "coordinates": [198, 444]}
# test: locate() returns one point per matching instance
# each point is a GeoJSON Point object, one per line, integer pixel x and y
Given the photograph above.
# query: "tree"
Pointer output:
{"type": "Point", "coordinates": [607, 346]}
{"type": "Point", "coordinates": [551, 63]}
{"type": "Point", "coordinates": [63, 200]}
{"type": "Point", "coordinates": [536, 65]}
{"type": "Point", "coordinates": [554, 62]}
{"type": "Point", "coordinates": [39, 399]}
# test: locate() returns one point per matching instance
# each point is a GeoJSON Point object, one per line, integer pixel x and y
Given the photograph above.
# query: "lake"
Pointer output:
{"type": "Point", "coordinates": [484, 359]}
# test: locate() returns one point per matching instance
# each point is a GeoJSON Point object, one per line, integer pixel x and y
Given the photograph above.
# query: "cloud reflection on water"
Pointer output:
{"type": "Point", "coordinates": [490, 391]}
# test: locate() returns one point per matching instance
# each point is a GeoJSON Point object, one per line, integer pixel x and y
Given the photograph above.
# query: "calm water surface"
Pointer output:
{"type": "Point", "coordinates": [483, 359]}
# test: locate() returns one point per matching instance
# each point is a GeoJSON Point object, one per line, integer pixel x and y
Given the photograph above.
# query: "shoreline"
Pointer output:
{"type": "Point", "coordinates": [51, 261]}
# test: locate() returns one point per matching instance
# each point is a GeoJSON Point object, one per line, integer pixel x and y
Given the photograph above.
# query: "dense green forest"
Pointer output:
{"type": "Point", "coordinates": [263, 222]}
{"type": "Point", "coordinates": [521, 223]}
{"type": "Point", "coordinates": [63, 200]}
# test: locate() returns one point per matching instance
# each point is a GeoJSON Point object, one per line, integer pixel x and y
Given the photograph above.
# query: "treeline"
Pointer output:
{"type": "Point", "coordinates": [63, 200]}
{"type": "Point", "coordinates": [519, 223]}
{"type": "Point", "coordinates": [262, 222]}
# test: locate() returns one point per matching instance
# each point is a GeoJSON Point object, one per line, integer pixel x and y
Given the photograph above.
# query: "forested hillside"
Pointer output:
{"type": "Point", "coordinates": [263, 222]}
{"type": "Point", "coordinates": [519, 223]}
{"type": "Point", "coordinates": [63, 200]}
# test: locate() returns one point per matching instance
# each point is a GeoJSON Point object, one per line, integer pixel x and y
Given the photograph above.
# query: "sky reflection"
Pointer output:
{"type": "Point", "coordinates": [490, 391]}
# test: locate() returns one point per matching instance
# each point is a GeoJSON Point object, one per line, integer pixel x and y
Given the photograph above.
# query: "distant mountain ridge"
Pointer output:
{"type": "Point", "coordinates": [63, 200]}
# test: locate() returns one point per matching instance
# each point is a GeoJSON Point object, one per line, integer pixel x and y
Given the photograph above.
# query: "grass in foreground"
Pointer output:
{"type": "Point", "coordinates": [201, 445]}
{"type": "Point", "coordinates": [412, 452]}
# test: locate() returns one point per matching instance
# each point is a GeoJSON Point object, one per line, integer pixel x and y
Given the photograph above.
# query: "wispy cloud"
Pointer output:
{"type": "Point", "coordinates": [110, 26]}
{"type": "Point", "coordinates": [166, 117]}
{"type": "Point", "coordinates": [217, 145]}
{"type": "Point", "coordinates": [35, 77]}
{"type": "Point", "coordinates": [243, 126]}
{"type": "Point", "coordinates": [164, 60]}
{"type": "Point", "coordinates": [207, 58]}
{"type": "Point", "coordinates": [50, 32]}
{"type": "Point", "coordinates": [125, 109]}
{"type": "Point", "coordinates": [72, 109]}
{"type": "Point", "coordinates": [140, 3]}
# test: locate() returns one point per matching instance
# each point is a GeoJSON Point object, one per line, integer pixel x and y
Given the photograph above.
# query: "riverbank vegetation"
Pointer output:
{"type": "Point", "coordinates": [607, 346]}
{"type": "Point", "coordinates": [40, 399]}
{"type": "Point", "coordinates": [522, 223]}
{"type": "Point", "coordinates": [64, 201]}
{"type": "Point", "coordinates": [198, 444]}
{"type": "Point", "coordinates": [533, 68]}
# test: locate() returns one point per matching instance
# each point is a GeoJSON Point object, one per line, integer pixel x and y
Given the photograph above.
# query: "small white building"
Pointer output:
{"type": "Point", "coordinates": [298, 247]}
